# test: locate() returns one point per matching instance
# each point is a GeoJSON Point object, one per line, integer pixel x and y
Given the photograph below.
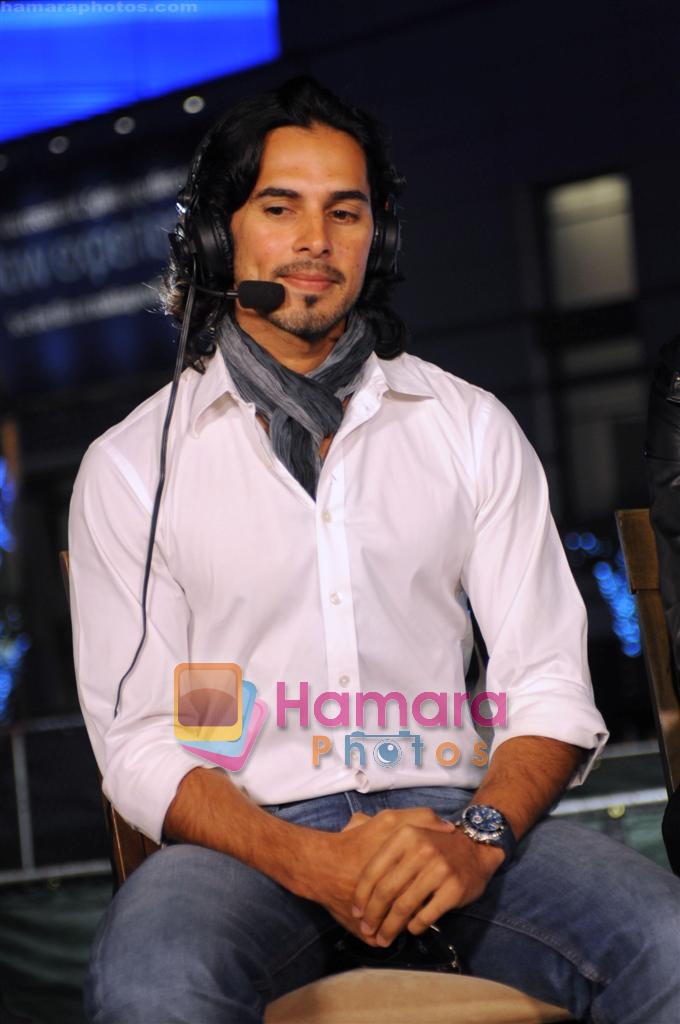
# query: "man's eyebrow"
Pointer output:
{"type": "Point", "coordinates": [277, 193]}
{"type": "Point", "coordinates": [349, 193]}
{"type": "Point", "coordinates": [288, 193]}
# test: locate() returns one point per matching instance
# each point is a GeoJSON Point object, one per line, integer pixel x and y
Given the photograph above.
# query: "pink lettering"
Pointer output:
{"type": "Point", "coordinates": [499, 699]}
{"type": "Point", "coordinates": [282, 703]}
{"type": "Point", "coordinates": [458, 701]}
{"type": "Point", "coordinates": [342, 717]}
{"type": "Point", "coordinates": [441, 717]}
{"type": "Point", "coordinates": [381, 702]}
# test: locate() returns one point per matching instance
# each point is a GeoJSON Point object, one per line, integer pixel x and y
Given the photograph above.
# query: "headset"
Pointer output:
{"type": "Point", "coordinates": [203, 232]}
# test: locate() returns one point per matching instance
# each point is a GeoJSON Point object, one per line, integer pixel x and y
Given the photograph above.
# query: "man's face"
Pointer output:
{"type": "Point", "coordinates": [307, 225]}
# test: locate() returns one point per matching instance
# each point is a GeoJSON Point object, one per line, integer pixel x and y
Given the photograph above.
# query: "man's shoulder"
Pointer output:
{"type": "Point", "coordinates": [469, 416]}
{"type": "Point", "coordinates": [131, 448]}
{"type": "Point", "coordinates": [411, 374]}
{"type": "Point", "coordinates": [139, 424]}
{"type": "Point", "coordinates": [143, 425]}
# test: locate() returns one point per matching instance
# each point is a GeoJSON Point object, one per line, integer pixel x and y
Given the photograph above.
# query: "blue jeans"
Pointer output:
{"type": "Point", "coordinates": [578, 920]}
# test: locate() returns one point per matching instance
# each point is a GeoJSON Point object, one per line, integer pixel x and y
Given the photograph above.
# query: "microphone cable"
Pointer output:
{"type": "Point", "coordinates": [264, 296]}
{"type": "Point", "coordinates": [179, 361]}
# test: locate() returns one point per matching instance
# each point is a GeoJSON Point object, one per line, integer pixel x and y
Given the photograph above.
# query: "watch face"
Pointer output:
{"type": "Point", "coordinates": [485, 819]}
{"type": "Point", "coordinates": [487, 825]}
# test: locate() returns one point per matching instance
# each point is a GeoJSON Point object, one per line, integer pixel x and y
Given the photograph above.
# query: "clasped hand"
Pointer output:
{"type": "Point", "coordinates": [403, 869]}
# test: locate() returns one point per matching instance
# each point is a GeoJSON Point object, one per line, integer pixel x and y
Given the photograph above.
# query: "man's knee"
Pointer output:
{"type": "Point", "coordinates": [180, 973]}
{"type": "Point", "coordinates": [194, 924]}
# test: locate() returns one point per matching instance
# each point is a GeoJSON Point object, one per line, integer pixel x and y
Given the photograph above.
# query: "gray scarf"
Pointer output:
{"type": "Point", "coordinates": [301, 409]}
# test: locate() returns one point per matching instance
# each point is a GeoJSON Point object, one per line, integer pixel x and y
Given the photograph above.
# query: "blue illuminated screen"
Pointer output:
{"type": "Point", "coordinates": [63, 62]}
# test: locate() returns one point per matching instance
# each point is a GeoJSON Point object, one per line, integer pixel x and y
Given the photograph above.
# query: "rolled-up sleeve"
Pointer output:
{"type": "Point", "coordinates": [139, 758]}
{"type": "Point", "coordinates": [525, 598]}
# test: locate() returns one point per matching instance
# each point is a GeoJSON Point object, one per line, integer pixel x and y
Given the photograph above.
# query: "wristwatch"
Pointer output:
{"type": "Point", "coordinates": [486, 824]}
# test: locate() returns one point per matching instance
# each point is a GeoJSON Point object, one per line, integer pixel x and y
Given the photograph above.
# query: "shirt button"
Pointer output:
{"type": "Point", "coordinates": [335, 598]}
{"type": "Point", "coordinates": [327, 517]}
{"type": "Point", "coordinates": [344, 680]}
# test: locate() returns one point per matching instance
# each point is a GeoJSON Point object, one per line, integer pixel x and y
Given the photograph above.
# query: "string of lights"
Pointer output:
{"type": "Point", "coordinates": [609, 573]}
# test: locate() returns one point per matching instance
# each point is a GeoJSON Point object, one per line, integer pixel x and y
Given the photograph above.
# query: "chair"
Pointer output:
{"type": "Point", "coordinates": [362, 995]}
{"type": "Point", "coordinates": [642, 568]}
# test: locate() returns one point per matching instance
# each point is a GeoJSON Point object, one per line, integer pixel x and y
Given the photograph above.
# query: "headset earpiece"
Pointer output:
{"type": "Point", "coordinates": [202, 233]}
{"type": "Point", "coordinates": [208, 236]}
{"type": "Point", "coordinates": [383, 257]}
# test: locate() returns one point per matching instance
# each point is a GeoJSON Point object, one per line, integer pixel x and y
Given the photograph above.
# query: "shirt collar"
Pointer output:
{"type": "Point", "coordinates": [215, 383]}
{"type": "Point", "coordinates": [378, 376]}
{"type": "Point", "coordinates": [401, 376]}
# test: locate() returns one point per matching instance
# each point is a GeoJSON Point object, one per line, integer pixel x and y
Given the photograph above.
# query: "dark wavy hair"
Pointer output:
{"type": "Point", "coordinates": [224, 176]}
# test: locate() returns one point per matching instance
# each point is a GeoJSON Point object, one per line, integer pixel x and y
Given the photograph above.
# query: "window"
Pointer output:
{"type": "Point", "coordinates": [590, 241]}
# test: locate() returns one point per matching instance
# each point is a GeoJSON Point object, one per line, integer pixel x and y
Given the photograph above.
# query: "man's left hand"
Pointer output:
{"type": "Point", "coordinates": [417, 876]}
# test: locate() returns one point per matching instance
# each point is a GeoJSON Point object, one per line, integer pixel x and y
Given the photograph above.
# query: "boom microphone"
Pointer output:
{"type": "Point", "coordinates": [265, 296]}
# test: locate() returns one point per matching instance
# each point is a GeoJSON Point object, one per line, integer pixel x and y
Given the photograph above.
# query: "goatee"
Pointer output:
{"type": "Point", "coordinates": [308, 324]}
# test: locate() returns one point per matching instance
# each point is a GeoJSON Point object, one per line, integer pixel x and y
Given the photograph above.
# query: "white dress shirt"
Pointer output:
{"type": "Point", "coordinates": [428, 493]}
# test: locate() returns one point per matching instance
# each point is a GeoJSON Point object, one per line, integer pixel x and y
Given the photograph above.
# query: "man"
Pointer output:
{"type": "Point", "coordinates": [662, 453]}
{"type": "Point", "coordinates": [325, 514]}
{"type": "Point", "coordinates": [662, 457]}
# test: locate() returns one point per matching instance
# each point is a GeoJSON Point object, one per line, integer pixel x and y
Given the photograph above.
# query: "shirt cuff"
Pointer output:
{"type": "Point", "coordinates": [557, 719]}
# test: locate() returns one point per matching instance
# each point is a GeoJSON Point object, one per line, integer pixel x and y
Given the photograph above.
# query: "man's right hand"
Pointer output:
{"type": "Point", "coordinates": [322, 866]}
{"type": "Point", "coordinates": [334, 861]}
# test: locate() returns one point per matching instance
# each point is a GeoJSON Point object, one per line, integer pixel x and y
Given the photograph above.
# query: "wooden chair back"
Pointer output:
{"type": "Point", "coordinates": [642, 568]}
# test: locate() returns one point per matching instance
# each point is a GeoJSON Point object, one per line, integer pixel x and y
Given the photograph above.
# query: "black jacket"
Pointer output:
{"type": "Point", "coordinates": [662, 451]}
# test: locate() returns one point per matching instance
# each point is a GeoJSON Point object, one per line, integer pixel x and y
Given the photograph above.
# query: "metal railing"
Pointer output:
{"type": "Point", "coordinates": [28, 871]}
